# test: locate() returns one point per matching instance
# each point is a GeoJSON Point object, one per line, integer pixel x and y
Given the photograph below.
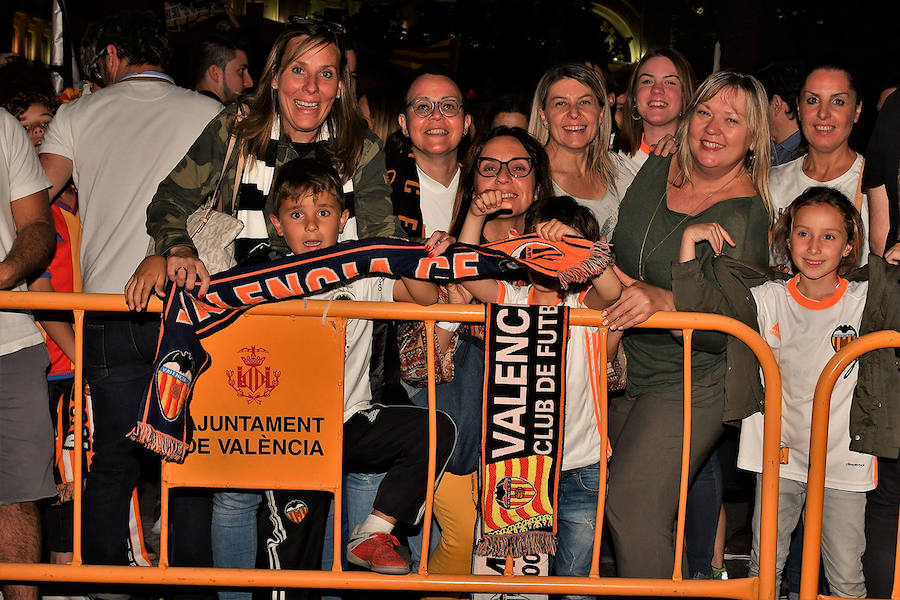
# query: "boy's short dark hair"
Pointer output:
{"type": "Point", "coordinates": [21, 101]}
{"type": "Point", "coordinates": [305, 175]}
{"type": "Point", "coordinates": [565, 210]}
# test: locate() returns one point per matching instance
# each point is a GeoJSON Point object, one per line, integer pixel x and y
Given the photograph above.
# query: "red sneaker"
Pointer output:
{"type": "Point", "coordinates": [375, 551]}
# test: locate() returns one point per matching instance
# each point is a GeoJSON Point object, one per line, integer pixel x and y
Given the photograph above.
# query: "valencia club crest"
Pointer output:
{"type": "Point", "coordinates": [173, 383]}
{"type": "Point", "coordinates": [514, 492]}
{"type": "Point", "coordinates": [296, 510]}
{"type": "Point", "coordinates": [840, 337]}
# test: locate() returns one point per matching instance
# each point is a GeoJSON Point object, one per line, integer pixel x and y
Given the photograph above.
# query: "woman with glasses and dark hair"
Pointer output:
{"type": "Point", "coordinates": [570, 116]}
{"type": "Point", "coordinates": [659, 88]}
{"type": "Point", "coordinates": [424, 171]}
{"type": "Point", "coordinates": [303, 106]}
{"type": "Point", "coordinates": [509, 160]}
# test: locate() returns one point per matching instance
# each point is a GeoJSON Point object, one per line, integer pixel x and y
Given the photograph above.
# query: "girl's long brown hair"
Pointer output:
{"type": "Point", "coordinates": [826, 196]}
{"type": "Point", "coordinates": [632, 129]}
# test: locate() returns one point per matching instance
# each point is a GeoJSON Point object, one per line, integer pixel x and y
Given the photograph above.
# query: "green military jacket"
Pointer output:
{"type": "Point", "coordinates": [875, 412]}
{"type": "Point", "coordinates": [194, 178]}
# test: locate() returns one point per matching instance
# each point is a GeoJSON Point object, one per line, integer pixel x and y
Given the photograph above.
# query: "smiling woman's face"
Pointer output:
{"type": "Point", "coordinates": [518, 191]}
{"type": "Point", "coordinates": [434, 134]}
{"type": "Point", "coordinates": [657, 93]}
{"type": "Point", "coordinates": [572, 112]}
{"type": "Point", "coordinates": [828, 109]}
{"type": "Point", "coordinates": [307, 88]}
{"type": "Point", "coordinates": [719, 133]}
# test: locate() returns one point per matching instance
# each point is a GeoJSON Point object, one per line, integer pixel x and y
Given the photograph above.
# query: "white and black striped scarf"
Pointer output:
{"type": "Point", "coordinates": [256, 184]}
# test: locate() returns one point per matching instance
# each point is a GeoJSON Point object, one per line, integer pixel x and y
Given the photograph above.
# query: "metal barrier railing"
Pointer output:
{"type": "Point", "coordinates": [818, 449]}
{"type": "Point", "coordinates": [751, 588]}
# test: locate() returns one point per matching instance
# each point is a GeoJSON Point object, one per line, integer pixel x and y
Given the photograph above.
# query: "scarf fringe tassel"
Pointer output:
{"type": "Point", "coordinates": [587, 269]}
{"type": "Point", "coordinates": [64, 492]}
{"type": "Point", "coordinates": [169, 447]}
{"type": "Point", "coordinates": [517, 545]}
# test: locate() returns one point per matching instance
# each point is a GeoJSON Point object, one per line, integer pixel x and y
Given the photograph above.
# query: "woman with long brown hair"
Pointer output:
{"type": "Point", "coordinates": [659, 88]}
{"type": "Point", "coordinates": [303, 106]}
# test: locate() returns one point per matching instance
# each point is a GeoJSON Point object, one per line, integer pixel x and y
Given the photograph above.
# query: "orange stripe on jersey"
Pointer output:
{"type": "Point", "coordinates": [805, 302]}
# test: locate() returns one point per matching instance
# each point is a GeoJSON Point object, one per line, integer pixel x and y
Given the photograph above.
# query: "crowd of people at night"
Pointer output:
{"type": "Point", "coordinates": [737, 194]}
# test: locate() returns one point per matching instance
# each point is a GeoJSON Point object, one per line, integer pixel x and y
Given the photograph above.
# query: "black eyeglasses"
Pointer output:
{"type": "Point", "coordinates": [424, 107]}
{"type": "Point", "coordinates": [516, 167]}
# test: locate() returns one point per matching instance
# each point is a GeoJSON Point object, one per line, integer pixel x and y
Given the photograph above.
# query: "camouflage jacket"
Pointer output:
{"type": "Point", "coordinates": [194, 178]}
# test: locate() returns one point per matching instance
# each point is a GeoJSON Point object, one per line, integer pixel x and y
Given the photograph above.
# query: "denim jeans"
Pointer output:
{"type": "Point", "coordinates": [358, 499]}
{"type": "Point", "coordinates": [577, 521]}
{"type": "Point", "coordinates": [118, 365]}
{"type": "Point", "coordinates": [461, 398]}
{"type": "Point", "coordinates": [704, 501]}
{"type": "Point", "coordinates": [234, 534]}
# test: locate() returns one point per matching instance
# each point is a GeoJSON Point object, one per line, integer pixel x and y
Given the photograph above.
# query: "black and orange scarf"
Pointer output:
{"type": "Point", "coordinates": [164, 424]}
{"type": "Point", "coordinates": [524, 408]}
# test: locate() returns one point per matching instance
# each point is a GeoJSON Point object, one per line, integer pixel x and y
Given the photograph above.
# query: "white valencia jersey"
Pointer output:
{"type": "Point", "coordinates": [358, 343]}
{"type": "Point", "coordinates": [804, 334]}
{"type": "Point", "coordinates": [584, 376]}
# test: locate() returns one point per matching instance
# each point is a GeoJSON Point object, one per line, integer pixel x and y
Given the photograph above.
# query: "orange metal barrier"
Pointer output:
{"type": "Point", "coordinates": [818, 449]}
{"type": "Point", "coordinates": [299, 313]}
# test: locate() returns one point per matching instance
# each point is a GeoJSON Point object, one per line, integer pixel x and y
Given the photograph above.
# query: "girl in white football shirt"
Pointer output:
{"type": "Point", "coordinates": [805, 320]}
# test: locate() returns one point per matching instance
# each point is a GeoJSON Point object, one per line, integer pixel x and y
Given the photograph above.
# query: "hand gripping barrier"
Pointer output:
{"type": "Point", "coordinates": [818, 448]}
{"type": "Point", "coordinates": [290, 317]}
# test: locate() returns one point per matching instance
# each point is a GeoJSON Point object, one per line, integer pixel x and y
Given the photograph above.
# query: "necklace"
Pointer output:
{"type": "Point", "coordinates": [642, 260]}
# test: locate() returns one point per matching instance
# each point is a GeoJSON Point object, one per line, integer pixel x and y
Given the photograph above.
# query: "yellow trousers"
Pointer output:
{"type": "Point", "coordinates": [455, 508]}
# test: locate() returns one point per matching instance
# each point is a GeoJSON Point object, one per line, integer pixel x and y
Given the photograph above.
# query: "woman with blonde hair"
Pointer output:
{"type": "Point", "coordinates": [570, 116]}
{"type": "Point", "coordinates": [716, 181]}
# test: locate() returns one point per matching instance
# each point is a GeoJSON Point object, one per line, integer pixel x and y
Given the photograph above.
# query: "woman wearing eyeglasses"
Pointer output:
{"type": "Point", "coordinates": [511, 161]}
{"type": "Point", "coordinates": [570, 115]}
{"type": "Point", "coordinates": [424, 172]}
{"type": "Point", "coordinates": [508, 160]}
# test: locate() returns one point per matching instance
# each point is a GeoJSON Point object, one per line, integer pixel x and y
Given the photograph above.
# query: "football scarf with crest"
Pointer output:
{"type": "Point", "coordinates": [164, 424]}
{"type": "Point", "coordinates": [524, 395]}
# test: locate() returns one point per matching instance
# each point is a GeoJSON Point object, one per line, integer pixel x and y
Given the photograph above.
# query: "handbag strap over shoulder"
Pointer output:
{"type": "Point", "coordinates": [857, 202]}
{"type": "Point", "coordinates": [237, 181]}
{"type": "Point", "coordinates": [218, 198]}
{"type": "Point", "coordinates": [238, 173]}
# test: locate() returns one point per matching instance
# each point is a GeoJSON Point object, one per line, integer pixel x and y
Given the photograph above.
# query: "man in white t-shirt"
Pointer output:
{"type": "Point", "coordinates": [26, 436]}
{"type": "Point", "coordinates": [117, 145]}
